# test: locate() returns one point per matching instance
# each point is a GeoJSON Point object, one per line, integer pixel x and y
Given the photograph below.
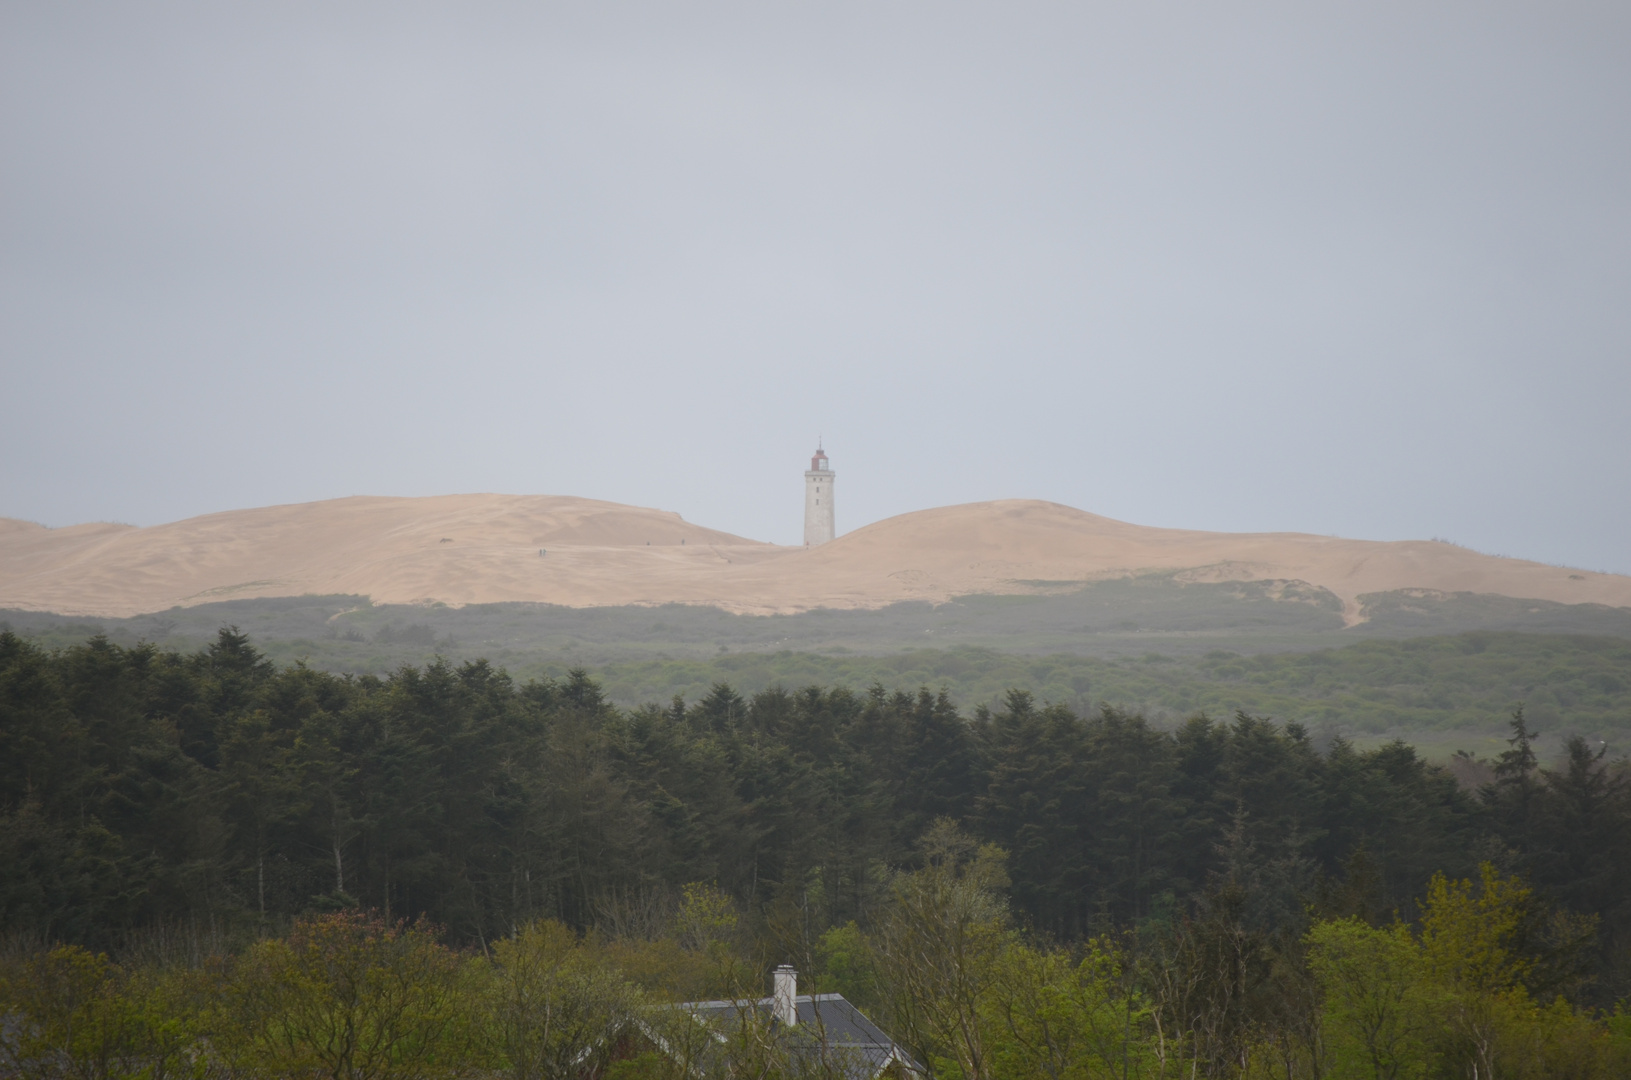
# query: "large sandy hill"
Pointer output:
{"type": "Point", "coordinates": [463, 549]}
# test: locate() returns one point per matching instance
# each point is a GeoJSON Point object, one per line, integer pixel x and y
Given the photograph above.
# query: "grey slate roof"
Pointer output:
{"type": "Point", "coordinates": [830, 1032]}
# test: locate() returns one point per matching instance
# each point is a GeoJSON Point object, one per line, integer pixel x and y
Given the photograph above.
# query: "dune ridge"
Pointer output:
{"type": "Point", "coordinates": [465, 549]}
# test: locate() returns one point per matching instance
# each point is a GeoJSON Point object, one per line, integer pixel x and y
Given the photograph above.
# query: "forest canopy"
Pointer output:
{"type": "Point", "coordinates": [191, 805]}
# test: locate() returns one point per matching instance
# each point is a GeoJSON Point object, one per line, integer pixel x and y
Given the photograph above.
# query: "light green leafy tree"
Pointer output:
{"type": "Point", "coordinates": [937, 949]}
{"type": "Point", "coordinates": [1053, 1016]}
{"type": "Point", "coordinates": [1381, 1008]}
{"type": "Point", "coordinates": [554, 1006]}
{"type": "Point", "coordinates": [348, 997]}
{"type": "Point", "coordinates": [74, 1014]}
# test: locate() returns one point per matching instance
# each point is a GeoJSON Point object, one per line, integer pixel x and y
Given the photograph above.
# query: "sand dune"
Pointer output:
{"type": "Point", "coordinates": [463, 549]}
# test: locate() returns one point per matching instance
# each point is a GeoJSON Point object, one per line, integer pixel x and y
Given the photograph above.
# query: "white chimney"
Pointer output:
{"type": "Point", "coordinates": [784, 995]}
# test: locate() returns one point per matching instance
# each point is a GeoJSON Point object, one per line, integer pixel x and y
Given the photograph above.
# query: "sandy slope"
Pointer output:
{"type": "Point", "coordinates": [462, 549]}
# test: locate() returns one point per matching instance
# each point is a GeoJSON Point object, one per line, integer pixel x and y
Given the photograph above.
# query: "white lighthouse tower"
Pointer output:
{"type": "Point", "coordinates": [818, 519]}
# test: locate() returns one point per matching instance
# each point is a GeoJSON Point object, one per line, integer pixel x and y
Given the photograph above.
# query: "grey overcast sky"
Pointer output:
{"type": "Point", "coordinates": [1360, 269]}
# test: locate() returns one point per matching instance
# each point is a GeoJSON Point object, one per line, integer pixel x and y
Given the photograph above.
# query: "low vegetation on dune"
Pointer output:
{"type": "Point", "coordinates": [214, 865]}
{"type": "Point", "coordinates": [1571, 685]}
{"type": "Point", "coordinates": [1145, 645]}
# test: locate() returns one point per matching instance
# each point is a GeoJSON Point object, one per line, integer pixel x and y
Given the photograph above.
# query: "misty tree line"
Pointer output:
{"type": "Point", "coordinates": [206, 801]}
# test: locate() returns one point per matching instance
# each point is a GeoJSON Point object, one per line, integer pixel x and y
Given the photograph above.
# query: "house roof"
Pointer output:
{"type": "Point", "coordinates": [830, 1030]}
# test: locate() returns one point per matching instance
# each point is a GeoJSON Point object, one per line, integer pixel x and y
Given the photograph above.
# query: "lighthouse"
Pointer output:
{"type": "Point", "coordinates": [818, 519]}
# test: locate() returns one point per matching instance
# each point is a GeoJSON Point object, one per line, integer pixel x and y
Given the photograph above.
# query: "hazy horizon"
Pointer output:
{"type": "Point", "coordinates": [1354, 272]}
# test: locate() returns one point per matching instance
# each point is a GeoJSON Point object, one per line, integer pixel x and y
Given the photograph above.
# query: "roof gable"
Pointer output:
{"type": "Point", "coordinates": [830, 1032]}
